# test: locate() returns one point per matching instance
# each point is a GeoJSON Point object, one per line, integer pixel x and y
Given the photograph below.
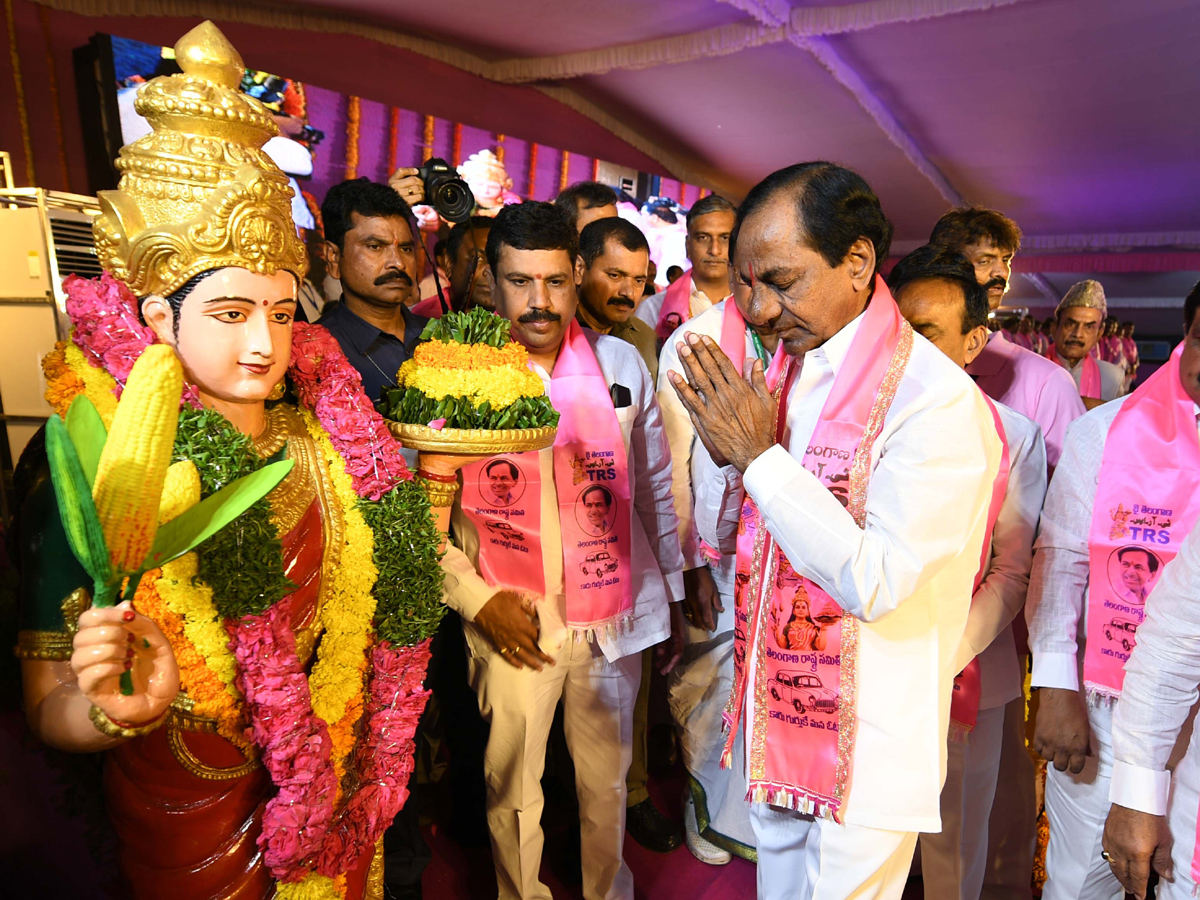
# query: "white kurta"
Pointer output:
{"type": "Point", "coordinates": [907, 575]}
{"type": "Point", "coordinates": [1150, 720]}
{"type": "Point", "coordinates": [1112, 378]}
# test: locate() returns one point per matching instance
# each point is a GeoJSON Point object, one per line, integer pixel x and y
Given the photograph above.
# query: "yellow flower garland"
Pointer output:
{"type": "Point", "coordinates": [350, 608]}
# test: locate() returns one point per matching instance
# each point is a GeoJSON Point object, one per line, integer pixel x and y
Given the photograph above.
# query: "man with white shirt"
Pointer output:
{"type": "Point", "coordinates": [1078, 322]}
{"type": "Point", "coordinates": [939, 296]}
{"type": "Point", "coordinates": [1012, 375]}
{"type": "Point", "coordinates": [1129, 480]}
{"type": "Point", "coordinates": [541, 623]}
{"type": "Point", "coordinates": [709, 224]}
{"type": "Point", "coordinates": [716, 819]}
{"type": "Point", "coordinates": [858, 472]}
{"type": "Point", "coordinates": [1035, 387]}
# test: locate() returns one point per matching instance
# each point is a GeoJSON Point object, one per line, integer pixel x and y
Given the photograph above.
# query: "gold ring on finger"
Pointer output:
{"type": "Point", "coordinates": [1106, 856]}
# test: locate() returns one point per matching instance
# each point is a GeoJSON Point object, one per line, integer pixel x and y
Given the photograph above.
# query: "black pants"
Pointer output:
{"type": "Point", "coordinates": [405, 853]}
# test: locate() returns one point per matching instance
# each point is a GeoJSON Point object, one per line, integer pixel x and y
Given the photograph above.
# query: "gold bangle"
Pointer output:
{"type": "Point", "coordinates": [107, 726]}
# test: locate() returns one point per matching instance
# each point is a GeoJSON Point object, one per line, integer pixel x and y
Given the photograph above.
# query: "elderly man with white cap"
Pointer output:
{"type": "Point", "coordinates": [1077, 326]}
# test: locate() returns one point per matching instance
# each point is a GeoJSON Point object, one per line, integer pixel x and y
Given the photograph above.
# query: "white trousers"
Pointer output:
{"type": "Point", "coordinates": [598, 699]}
{"type": "Point", "coordinates": [953, 861]}
{"type": "Point", "coordinates": [698, 689]}
{"type": "Point", "coordinates": [1012, 826]}
{"type": "Point", "coordinates": [804, 858]}
{"type": "Point", "coordinates": [1076, 808]}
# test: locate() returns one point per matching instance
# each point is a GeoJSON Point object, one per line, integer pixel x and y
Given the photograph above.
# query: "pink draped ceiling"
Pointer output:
{"type": "Point", "coordinates": [1075, 117]}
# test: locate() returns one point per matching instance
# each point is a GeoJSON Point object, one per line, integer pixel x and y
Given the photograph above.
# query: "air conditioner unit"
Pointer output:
{"type": "Point", "coordinates": [44, 237]}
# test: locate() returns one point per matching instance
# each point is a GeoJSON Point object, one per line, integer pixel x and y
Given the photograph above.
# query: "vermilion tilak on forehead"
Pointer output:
{"type": "Point", "coordinates": [751, 276]}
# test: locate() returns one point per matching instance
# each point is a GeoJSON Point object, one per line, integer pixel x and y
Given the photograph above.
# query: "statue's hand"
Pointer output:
{"type": "Point", "coordinates": [116, 639]}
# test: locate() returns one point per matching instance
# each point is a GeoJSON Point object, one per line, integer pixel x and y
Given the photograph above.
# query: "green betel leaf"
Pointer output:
{"type": "Point", "coordinates": [210, 515]}
{"type": "Point", "coordinates": [75, 505]}
{"type": "Point", "coordinates": [88, 434]}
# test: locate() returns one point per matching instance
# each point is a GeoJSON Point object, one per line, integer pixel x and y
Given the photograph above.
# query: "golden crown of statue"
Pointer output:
{"type": "Point", "coordinates": [198, 192]}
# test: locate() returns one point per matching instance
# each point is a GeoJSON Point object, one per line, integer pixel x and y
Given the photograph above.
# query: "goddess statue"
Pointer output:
{"type": "Point", "coordinates": [489, 181]}
{"type": "Point", "coordinates": [277, 670]}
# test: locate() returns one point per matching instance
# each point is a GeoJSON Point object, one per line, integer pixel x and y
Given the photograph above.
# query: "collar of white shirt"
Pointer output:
{"type": "Point", "coordinates": [835, 350]}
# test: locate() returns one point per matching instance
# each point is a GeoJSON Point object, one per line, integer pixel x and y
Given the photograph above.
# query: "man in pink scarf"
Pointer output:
{"type": "Point", "coordinates": [1152, 822]}
{"type": "Point", "coordinates": [564, 584]}
{"type": "Point", "coordinates": [709, 223]}
{"type": "Point", "coordinates": [1124, 497]}
{"type": "Point", "coordinates": [1078, 323]}
{"type": "Point", "coordinates": [1035, 387]}
{"type": "Point", "coordinates": [940, 298]}
{"type": "Point", "coordinates": [858, 468]}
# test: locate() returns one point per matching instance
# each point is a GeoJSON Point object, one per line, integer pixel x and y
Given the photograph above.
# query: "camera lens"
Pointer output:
{"type": "Point", "coordinates": [454, 201]}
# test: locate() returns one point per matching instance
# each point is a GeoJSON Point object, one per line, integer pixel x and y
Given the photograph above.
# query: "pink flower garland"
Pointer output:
{"type": "Point", "coordinates": [385, 756]}
{"type": "Point", "coordinates": [295, 743]}
{"type": "Point", "coordinates": [108, 330]}
{"type": "Point", "coordinates": [332, 388]}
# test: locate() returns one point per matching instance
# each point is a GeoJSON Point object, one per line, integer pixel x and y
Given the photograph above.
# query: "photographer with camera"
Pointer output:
{"type": "Point", "coordinates": [371, 248]}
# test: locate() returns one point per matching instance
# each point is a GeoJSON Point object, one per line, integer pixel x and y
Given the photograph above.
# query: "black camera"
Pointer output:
{"type": "Point", "coordinates": [445, 191]}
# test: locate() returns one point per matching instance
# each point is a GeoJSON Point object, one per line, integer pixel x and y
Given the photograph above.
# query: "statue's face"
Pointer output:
{"type": "Point", "coordinates": [234, 334]}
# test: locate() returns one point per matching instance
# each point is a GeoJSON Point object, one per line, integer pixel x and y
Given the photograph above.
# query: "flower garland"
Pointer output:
{"type": "Point", "coordinates": [353, 116]}
{"type": "Point", "coordinates": [209, 677]}
{"type": "Point", "coordinates": [327, 384]}
{"type": "Point", "coordinates": [564, 165]}
{"type": "Point", "coordinates": [107, 328]}
{"type": "Point", "coordinates": [531, 179]}
{"type": "Point", "coordinates": [348, 613]}
{"type": "Point", "coordinates": [393, 137]}
{"type": "Point", "coordinates": [295, 743]}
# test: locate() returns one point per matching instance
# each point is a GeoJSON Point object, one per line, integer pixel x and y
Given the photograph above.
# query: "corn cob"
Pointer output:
{"type": "Point", "coordinates": [181, 490]}
{"type": "Point", "coordinates": [133, 465]}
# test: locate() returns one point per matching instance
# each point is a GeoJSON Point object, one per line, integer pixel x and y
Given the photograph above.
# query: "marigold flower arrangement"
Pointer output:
{"type": "Point", "coordinates": [471, 374]}
{"type": "Point", "coordinates": [337, 741]}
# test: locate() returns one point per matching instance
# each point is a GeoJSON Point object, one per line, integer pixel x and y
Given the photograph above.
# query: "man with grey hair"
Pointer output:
{"type": "Point", "coordinates": [1077, 323]}
{"type": "Point", "coordinates": [709, 224]}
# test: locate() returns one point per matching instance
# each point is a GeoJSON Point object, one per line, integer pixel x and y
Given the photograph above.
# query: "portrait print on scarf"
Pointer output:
{"type": "Point", "coordinates": [502, 498]}
{"type": "Point", "coordinates": [1147, 500]}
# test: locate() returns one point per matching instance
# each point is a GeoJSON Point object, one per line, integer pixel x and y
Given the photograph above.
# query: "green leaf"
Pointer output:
{"type": "Point", "coordinates": [75, 506]}
{"type": "Point", "coordinates": [88, 434]}
{"type": "Point", "coordinates": [210, 515]}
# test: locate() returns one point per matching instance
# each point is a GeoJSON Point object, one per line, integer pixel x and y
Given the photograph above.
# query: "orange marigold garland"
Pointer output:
{"type": "Point", "coordinates": [531, 181]}
{"type": "Point", "coordinates": [564, 165]}
{"type": "Point", "coordinates": [353, 117]}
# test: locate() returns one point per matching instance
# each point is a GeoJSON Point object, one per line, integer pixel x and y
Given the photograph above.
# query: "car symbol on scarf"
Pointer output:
{"type": "Point", "coordinates": [804, 692]}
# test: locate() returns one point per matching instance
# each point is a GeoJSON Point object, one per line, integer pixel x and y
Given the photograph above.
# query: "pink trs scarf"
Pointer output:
{"type": "Point", "coordinates": [502, 498]}
{"type": "Point", "coordinates": [805, 647]}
